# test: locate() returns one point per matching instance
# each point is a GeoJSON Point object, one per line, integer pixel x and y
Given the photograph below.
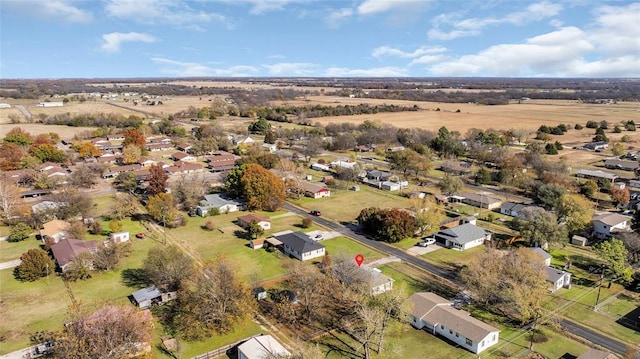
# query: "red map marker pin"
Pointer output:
{"type": "Point", "coordinates": [359, 259]}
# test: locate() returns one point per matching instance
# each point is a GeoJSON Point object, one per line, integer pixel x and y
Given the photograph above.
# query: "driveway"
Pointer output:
{"type": "Point", "coordinates": [10, 264]}
{"type": "Point", "coordinates": [418, 251]}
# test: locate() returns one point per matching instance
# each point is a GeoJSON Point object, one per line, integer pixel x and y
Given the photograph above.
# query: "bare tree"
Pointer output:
{"type": "Point", "coordinates": [8, 196]}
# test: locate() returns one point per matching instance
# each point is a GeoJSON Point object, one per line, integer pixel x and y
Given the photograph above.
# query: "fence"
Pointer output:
{"type": "Point", "coordinates": [222, 350]}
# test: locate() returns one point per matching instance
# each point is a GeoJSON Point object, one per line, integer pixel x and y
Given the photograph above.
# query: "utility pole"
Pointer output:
{"type": "Point", "coordinates": [595, 307]}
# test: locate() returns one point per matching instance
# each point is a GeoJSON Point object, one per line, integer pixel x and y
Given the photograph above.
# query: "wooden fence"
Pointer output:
{"type": "Point", "coordinates": [222, 350]}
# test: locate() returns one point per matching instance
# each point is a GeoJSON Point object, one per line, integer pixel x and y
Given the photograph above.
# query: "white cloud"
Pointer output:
{"type": "Point", "coordinates": [337, 17]}
{"type": "Point", "coordinates": [553, 54]}
{"type": "Point", "coordinates": [62, 10]}
{"type": "Point", "coordinates": [373, 72]}
{"type": "Point", "coordinates": [617, 29]}
{"type": "Point", "coordinates": [171, 12]}
{"type": "Point", "coordinates": [260, 7]}
{"type": "Point", "coordinates": [473, 26]}
{"type": "Point", "coordinates": [390, 51]}
{"type": "Point", "coordinates": [427, 59]}
{"type": "Point", "coordinates": [112, 41]}
{"type": "Point", "coordinates": [292, 69]}
{"type": "Point", "coordinates": [372, 7]}
{"type": "Point", "coordinates": [193, 69]}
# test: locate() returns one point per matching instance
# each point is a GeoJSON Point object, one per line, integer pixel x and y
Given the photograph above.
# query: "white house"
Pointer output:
{"type": "Point", "coordinates": [263, 222]}
{"type": "Point", "coordinates": [119, 237]}
{"type": "Point", "coordinates": [300, 246]}
{"type": "Point", "coordinates": [342, 164]}
{"type": "Point", "coordinates": [320, 167]}
{"type": "Point", "coordinates": [437, 315]}
{"type": "Point", "coordinates": [50, 104]}
{"type": "Point", "coordinates": [378, 282]}
{"type": "Point", "coordinates": [270, 147]}
{"type": "Point", "coordinates": [605, 224]}
{"type": "Point", "coordinates": [223, 204]}
{"type": "Point", "coordinates": [557, 278]}
{"type": "Point", "coordinates": [315, 190]}
{"type": "Point", "coordinates": [260, 347]}
{"type": "Point", "coordinates": [513, 209]}
{"type": "Point", "coordinates": [463, 237]}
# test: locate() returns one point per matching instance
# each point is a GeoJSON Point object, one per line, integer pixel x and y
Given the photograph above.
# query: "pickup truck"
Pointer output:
{"type": "Point", "coordinates": [426, 242]}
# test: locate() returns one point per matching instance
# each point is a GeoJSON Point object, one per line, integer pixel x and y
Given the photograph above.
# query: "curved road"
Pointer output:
{"type": "Point", "coordinates": [572, 327]}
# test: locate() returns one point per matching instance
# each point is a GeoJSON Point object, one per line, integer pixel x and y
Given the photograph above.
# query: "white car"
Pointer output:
{"type": "Point", "coordinates": [427, 241]}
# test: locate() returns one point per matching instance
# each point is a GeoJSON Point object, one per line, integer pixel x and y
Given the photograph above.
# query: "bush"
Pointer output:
{"type": "Point", "coordinates": [209, 225]}
{"type": "Point", "coordinates": [592, 124]}
{"type": "Point", "coordinates": [213, 212]}
{"type": "Point", "coordinates": [96, 228]}
{"type": "Point", "coordinates": [35, 265]}
{"type": "Point", "coordinates": [578, 126]}
{"type": "Point", "coordinates": [617, 129]}
{"type": "Point", "coordinates": [19, 232]}
{"type": "Point", "coordinates": [307, 222]}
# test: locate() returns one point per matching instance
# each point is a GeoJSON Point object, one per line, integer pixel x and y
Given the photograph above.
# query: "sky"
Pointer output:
{"type": "Point", "coordinates": [319, 38]}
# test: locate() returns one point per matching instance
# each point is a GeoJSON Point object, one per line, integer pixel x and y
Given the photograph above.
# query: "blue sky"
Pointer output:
{"type": "Point", "coordinates": [334, 38]}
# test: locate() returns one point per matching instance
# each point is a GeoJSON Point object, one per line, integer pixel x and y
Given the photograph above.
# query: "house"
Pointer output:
{"type": "Point", "coordinates": [376, 175]}
{"type": "Point", "coordinates": [270, 147]}
{"type": "Point", "coordinates": [315, 190]}
{"type": "Point", "coordinates": [342, 164]}
{"type": "Point", "coordinates": [300, 246]}
{"type": "Point", "coordinates": [222, 203]}
{"type": "Point", "coordinates": [263, 222]}
{"type": "Point", "coordinates": [596, 146]}
{"type": "Point", "coordinates": [159, 146]}
{"type": "Point", "coordinates": [263, 346]}
{"type": "Point", "coordinates": [256, 243]}
{"type": "Point", "coordinates": [438, 316]}
{"type": "Point", "coordinates": [50, 104]}
{"type": "Point", "coordinates": [596, 175]}
{"type": "Point", "coordinates": [556, 277]}
{"type": "Point", "coordinates": [605, 224]}
{"type": "Point", "coordinates": [390, 186]}
{"type": "Point", "coordinates": [221, 161]}
{"type": "Point", "coordinates": [119, 237]}
{"type": "Point", "coordinates": [480, 200]}
{"type": "Point", "coordinates": [513, 209]}
{"type": "Point", "coordinates": [243, 140]}
{"type": "Point", "coordinates": [596, 354]}
{"type": "Point", "coordinates": [184, 167]}
{"type": "Point", "coordinates": [320, 167]}
{"type": "Point", "coordinates": [146, 162]}
{"type": "Point", "coordinates": [67, 250]}
{"type": "Point", "coordinates": [54, 230]}
{"type": "Point", "coordinates": [116, 137]}
{"type": "Point", "coordinates": [183, 156]}
{"type": "Point", "coordinates": [617, 164]}
{"type": "Point", "coordinates": [115, 171]}
{"type": "Point", "coordinates": [44, 206]}
{"type": "Point", "coordinates": [184, 147]}
{"type": "Point", "coordinates": [463, 237]}
{"type": "Point", "coordinates": [146, 297]}
{"type": "Point", "coordinates": [260, 293]}
{"type": "Point", "coordinates": [456, 168]}
{"type": "Point", "coordinates": [377, 282]}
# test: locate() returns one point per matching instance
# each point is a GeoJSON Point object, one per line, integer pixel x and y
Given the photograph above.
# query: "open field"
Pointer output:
{"type": "Point", "coordinates": [37, 128]}
{"type": "Point", "coordinates": [13, 250]}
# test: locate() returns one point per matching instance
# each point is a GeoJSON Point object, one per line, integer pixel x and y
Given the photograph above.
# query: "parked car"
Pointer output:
{"type": "Point", "coordinates": [140, 235]}
{"type": "Point", "coordinates": [315, 213]}
{"type": "Point", "coordinates": [427, 241]}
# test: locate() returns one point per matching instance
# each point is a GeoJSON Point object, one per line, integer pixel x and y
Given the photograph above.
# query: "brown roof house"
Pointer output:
{"type": "Point", "coordinates": [67, 250]}
{"type": "Point", "coordinates": [264, 222]}
{"type": "Point", "coordinates": [54, 230]}
{"type": "Point", "coordinates": [315, 190]}
{"type": "Point", "coordinates": [438, 316]}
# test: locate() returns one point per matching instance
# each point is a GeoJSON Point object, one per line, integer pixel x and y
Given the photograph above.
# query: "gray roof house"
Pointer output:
{"type": "Point", "coordinates": [596, 174]}
{"type": "Point", "coordinates": [146, 297]}
{"type": "Point", "coordinates": [222, 203]}
{"type": "Point", "coordinates": [263, 346]}
{"type": "Point", "coordinates": [556, 277]}
{"type": "Point", "coordinates": [300, 246]}
{"type": "Point", "coordinates": [513, 209]}
{"type": "Point", "coordinates": [606, 224]}
{"type": "Point", "coordinates": [463, 237]}
{"type": "Point", "coordinates": [480, 200]}
{"type": "Point", "coordinates": [617, 164]}
{"type": "Point", "coordinates": [438, 316]}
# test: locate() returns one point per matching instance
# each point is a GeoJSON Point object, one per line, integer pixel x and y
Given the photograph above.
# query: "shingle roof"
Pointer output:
{"type": "Point", "coordinates": [312, 187]}
{"type": "Point", "coordinates": [463, 234]}
{"type": "Point", "coordinates": [436, 310]}
{"type": "Point", "coordinates": [263, 346]}
{"type": "Point", "coordinates": [67, 250]}
{"type": "Point", "coordinates": [554, 274]}
{"type": "Point", "coordinates": [598, 173]}
{"type": "Point", "coordinates": [513, 207]}
{"type": "Point", "coordinates": [215, 200]}
{"type": "Point", "coordinates": [610, 219]}
{"type": "Point", "coordinates": [481, 198]}
{"type": "Point", "coordinates": [147, 293]}
{"type": "Point", "coordinates": [247, 218]}
{"type": "Point", "coordinates": [54, 227]}
{"type": "Point", "coordinates": [541, 252]}
{"type": "Point", "coordinates": [299, 242]}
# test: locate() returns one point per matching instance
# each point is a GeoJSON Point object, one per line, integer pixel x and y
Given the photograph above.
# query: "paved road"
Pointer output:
{"type": "Point", "coordinates": [24, 111]}
{"type": "Point", "coordinates": [380, 246]}
{"type": "Point", "coordinates": [594, 337]}
{"type": "Point", "coordinates": [572, 327]}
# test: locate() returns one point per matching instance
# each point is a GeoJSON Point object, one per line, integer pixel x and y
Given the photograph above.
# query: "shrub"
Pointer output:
{"type": "Point", "coordinates": [307, 222]}
{"type": "Point", "coordinates": [19, 232]}
{"type": "Point", "coordinates": [209, 225]}
{"type": "Point", "coordinates": [213, 212]}
{"type": "Point", "coordinates": [592, 124]}
{"type": "Point", "coordinates": [96, 227]}
{"type": "Point", "coordinates": [578, 126]}
{"type": "Point", "coordinates": [617, 129]}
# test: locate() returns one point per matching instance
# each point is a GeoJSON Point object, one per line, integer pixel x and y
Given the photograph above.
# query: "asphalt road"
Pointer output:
{"type": "Point", "coordinates": [572, 327]}
{"type": "Point", "coordinates": [380, 246]}
{"type": "Point", "coordinates": [594, 337]}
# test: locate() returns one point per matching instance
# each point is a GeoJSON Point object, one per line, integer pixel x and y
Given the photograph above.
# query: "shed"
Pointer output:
{"type": "Point", "coordinates": [260, 293]}
{"type": "Point", "coordinates": [579, 241]}
{"type": "Point", "coordinates": [145, 297]}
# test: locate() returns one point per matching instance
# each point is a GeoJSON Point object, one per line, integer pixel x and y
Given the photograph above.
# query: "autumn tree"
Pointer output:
{"type": "Point", "coordinates": [428, 214]}
{"type": "Point", "coordinates": [19, 232]}
{"type": "Point", "coordinates": [614, 253]}
{"type": "Point", "coordinates": [161, 208]}
{"type": "Point", "coordinates": [85, 176]}
{"type": "Point", "coordinates": [514, 282]}
{"type": "Point", "coordinates": [188, 190]}
{"type": "Point", "coordinates": [158, 179]}
{"type": "Point", "coordinates": [11, 155]}
{"type": "Point", "coordinates": [408, 161]}
{"type": "Point", "coordinates": [262, 189]}
{"type": "Point", "coordinates": [35, 265]}
{"type": "Point", "coordinates": [309, 285]}
{"type": "Point", "coordinates": [86, 149]}
{"type": "Point", "coordinates": [134, 137]}
{"type": "Point", "coordinates": [620, 196]}
{"type": "Point", "coordinates": [167, 267]}
{"type": "Point", "coordinates": [388, 225]}
{"type": "Point", "coordinates": [111, 332]}
{"type": "Point", "coordinates": [213, 301]}
{"type": "Point", "coordinates": [80, 268]}
{"type": "Point", "coordinates": [77, 230]}
{"type": "Point", "coordinates": [47, 152]}
{"type": "Point", "coordinates": [126, 181]}
{"type": "Point", "coordinates": [18, 136]}
{"type": "Point", "coordinates": [576, 211]}
{"type": "Point", "coordinates": [450, 184]}
{"type": "Point", "coordinates": [254, 230]}
{"type": "Point", "coordinates": [125, 205]}
{"type": "Point", "coordinates": [72, 202]}
{"type": "Point", "coordinates": [540, 227]}
{"type": "Point", "coordinates": [131, 154]}
{"type": "Point", "coordinates": [107, 257]}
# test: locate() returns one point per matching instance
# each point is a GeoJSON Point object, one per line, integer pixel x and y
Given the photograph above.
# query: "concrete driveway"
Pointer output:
{"type": "Point", "coordinates": [418, 251]}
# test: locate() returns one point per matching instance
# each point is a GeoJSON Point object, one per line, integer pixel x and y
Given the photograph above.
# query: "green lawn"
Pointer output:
{"type": "Point", "coordinates": [348, 247]}
{"type": "Point", "coordinates": [12, 250]}
{"type": "Point", "coordinates": [453, 258]}
{"type": "Point", "coordinates": [345, 205]}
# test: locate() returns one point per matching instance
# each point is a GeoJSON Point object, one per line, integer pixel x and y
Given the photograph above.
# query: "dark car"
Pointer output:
{"type": "Point", "coordinates": [315, 213]}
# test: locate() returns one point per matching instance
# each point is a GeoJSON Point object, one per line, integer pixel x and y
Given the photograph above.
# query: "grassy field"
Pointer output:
{"type": "Point", "coordinates": [12, 250]}
{"type": "Point", "coordinates": [348, 247]}
{"type": "Point", "coordinates": [452, 258]}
